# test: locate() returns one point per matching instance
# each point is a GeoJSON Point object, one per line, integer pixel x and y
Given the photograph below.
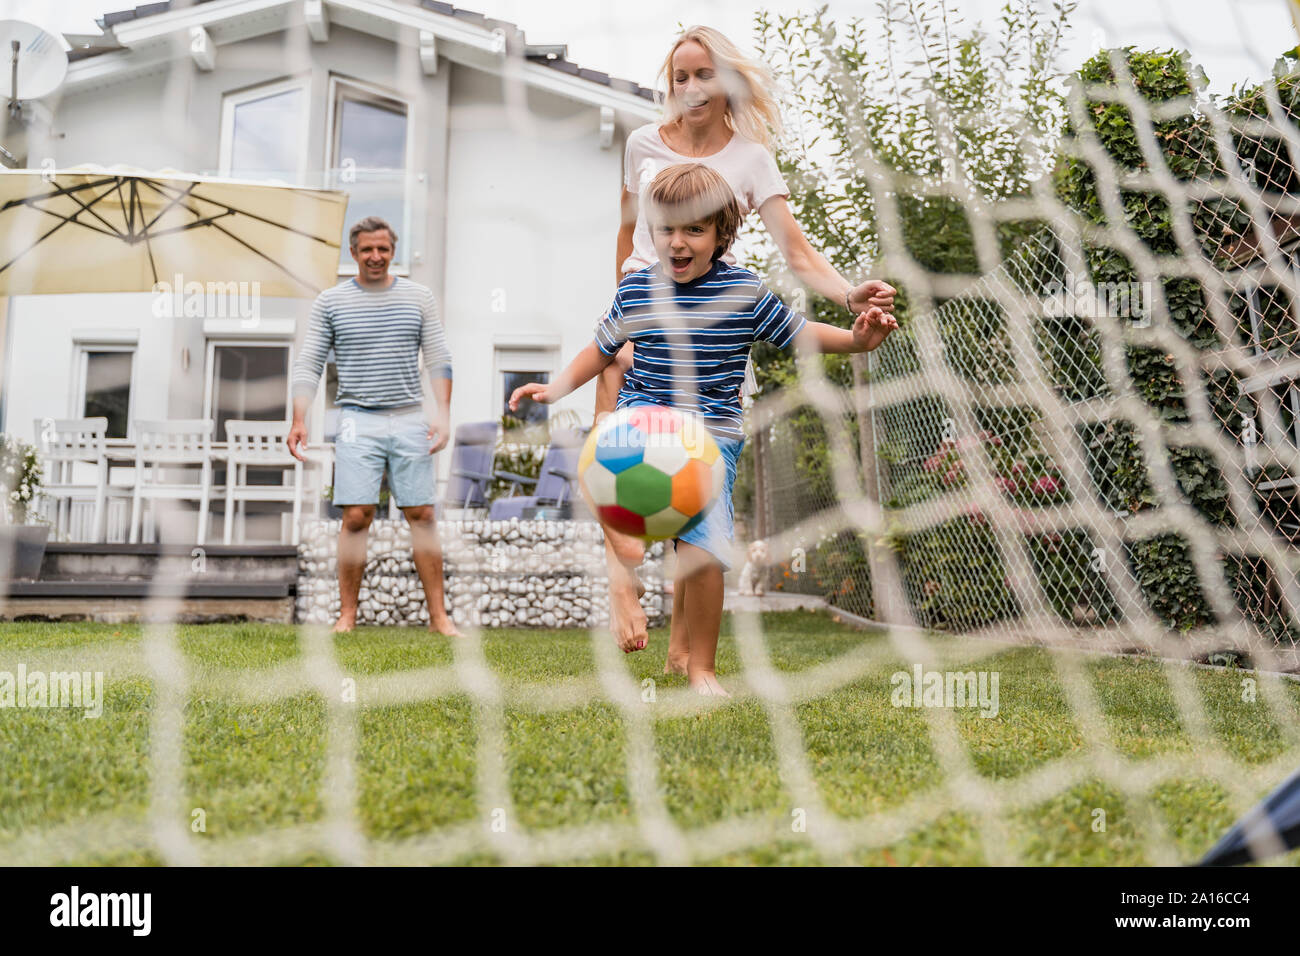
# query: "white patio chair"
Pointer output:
{"type": "Point", "coordinates": [254, 444]}
{"type": "Point", "coordinates": [76, 472]}
{"type": "Point", "coordinates": [162, 449]}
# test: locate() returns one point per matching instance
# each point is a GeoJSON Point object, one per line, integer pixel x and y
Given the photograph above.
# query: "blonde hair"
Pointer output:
{"type": "Point", "coordinates": [752, 110]}
{"type": "Point", "coordinates": [693, 192]}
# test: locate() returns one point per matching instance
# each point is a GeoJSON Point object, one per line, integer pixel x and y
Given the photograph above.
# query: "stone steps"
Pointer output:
{"type": "Point", "coordinates": [116, 582]}
{"type": "Point", "coordinates": [78, 561]}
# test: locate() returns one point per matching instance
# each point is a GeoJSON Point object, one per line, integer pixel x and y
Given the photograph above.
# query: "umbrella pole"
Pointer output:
{"type": "Point", "coordinates": [15, 105]}
{"type": "Point", "coordinates": [5, 336]}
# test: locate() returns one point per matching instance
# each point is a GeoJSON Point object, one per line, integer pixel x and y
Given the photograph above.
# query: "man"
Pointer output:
{"type": "Point", "coordinates": [377, 325]}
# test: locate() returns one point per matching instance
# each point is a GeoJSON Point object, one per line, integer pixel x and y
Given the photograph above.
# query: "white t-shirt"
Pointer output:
{"type": "Point", "coordinates": [748, 167]}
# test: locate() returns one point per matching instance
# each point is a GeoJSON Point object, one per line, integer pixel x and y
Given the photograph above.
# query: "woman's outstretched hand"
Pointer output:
{"type": "Point", "coordinates": [873, 293]}
{"type": "Point", "coordinates": [534, 390]}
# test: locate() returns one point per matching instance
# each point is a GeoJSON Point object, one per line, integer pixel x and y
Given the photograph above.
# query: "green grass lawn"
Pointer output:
{"type": "Point", "coordinates": [558, 750]}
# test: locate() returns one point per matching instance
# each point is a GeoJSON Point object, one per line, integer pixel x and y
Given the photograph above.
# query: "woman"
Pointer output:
{"type": "Point", "coordinates": [718, 110]}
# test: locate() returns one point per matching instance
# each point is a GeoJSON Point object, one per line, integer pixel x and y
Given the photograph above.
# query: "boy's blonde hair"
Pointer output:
{"type": "Point", "coordinates": [751, 108]}
{"type": "Point", "coordinates": [692, 192]}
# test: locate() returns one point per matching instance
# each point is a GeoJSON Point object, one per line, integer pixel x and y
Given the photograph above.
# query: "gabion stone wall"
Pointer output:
{"type": "Point", "coordinates": [496, 574]}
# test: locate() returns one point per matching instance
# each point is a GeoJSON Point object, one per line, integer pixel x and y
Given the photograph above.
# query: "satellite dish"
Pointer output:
{"type": "Point", "coordinates": [33, 59]}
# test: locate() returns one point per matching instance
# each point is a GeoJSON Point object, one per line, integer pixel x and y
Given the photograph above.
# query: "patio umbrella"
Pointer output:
{"type": "Point", "coordinates": [121, 229]}
{"type": "Point", "coordinates": [1270, 828]}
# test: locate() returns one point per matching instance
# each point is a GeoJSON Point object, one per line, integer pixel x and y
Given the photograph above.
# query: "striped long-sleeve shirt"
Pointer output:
{"type": "Point", "coordinates": [692, 339]}
{"type": "Point", "coordinates": [377, 337]}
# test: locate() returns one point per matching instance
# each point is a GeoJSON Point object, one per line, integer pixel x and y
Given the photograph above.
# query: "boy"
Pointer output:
{"type": "Point", "coordinates": [693, 319]}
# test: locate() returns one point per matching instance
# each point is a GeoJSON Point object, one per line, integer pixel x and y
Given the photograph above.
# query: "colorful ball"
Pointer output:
{"type": "Point", "coordinates": [651, 472]}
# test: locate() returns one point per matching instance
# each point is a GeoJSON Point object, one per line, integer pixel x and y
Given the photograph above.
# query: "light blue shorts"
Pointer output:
{"type": "Point", "coordinates": [715, 532]}
{"type": "Point", "coordinates": [370, 440]}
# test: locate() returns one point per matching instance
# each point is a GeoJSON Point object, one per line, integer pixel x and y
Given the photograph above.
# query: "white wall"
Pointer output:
{"type": "Point", "coordinates": [532, 216]}
{"type": "Point", "coordinates": [40, 367]}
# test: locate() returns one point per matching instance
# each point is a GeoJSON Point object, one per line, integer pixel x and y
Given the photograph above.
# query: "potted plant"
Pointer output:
{"type": "Point", "coordinates": [22, 545]}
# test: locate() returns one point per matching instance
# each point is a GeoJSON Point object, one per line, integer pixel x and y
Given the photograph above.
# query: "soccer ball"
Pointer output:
{"type": "Point", "coordinates": [650, 471]}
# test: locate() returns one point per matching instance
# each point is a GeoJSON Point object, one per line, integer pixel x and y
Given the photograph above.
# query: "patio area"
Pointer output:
{"type": "Point", "coordinates": [173, 482]}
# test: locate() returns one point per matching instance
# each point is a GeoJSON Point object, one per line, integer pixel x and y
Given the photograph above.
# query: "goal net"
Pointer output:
{"type": "Point", "coordinates": [1084, 438]}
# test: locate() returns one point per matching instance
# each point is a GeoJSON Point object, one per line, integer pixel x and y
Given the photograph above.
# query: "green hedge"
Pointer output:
{"type": "Point", "coordinates": [1115, 460]}
{"type": "Point", "coordinates": [952, 573]}
{"type": "Point", "coordinates": [1070, 346]}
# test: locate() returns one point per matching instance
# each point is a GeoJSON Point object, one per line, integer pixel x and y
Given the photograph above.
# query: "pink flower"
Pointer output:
{"type": "Point", "coordinates": [1007, 484]}
{"type": "Point", "coordinates": [931, 463]}
{"type": "Point", "coordinates": [1046, 485]}
{"type": "Point", "coordinates": [1018, 468]}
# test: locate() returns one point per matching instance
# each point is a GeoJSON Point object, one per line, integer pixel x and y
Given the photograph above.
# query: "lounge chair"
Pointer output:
{"type": "Point", "coordinates": [472, 456]}
{"type": "Point", "coordinates": [554, 485]}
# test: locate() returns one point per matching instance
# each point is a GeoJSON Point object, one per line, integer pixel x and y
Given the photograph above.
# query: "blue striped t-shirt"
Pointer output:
{"type": "Point", "coordinates": [691, 340]}
{"type": "Point", "coordinates": [377, 337]}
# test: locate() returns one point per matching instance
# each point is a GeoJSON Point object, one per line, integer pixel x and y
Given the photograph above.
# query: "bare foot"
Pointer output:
{"type": "Point", "coordinates": [346, 622]}
{"type": "Point", "coordinates": [628, 619]}
{"type": "Point", "coordinates": [444, 625]}
{"type": "Point", "coordinates": [676, 664]}
{"type": "Point", "coordinates": [706, 684]}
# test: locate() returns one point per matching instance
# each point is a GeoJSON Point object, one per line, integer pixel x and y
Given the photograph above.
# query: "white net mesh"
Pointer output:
{"type": "Point", "coordinates": [1084, 437]}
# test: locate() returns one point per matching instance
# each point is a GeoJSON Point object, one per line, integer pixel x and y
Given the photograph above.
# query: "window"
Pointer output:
{"type": "Point", "coordinates": [529, 411]}
{"type": "Point", "coordinates": [368, 160]}
{"type": "Point", "coordinates": [249, 382]}
{"type": "Point", "coordinates": [264, 132]}
{"type": "Point", "coordinates": [106, 386]}
{"type": "Point", "coordinates": [517, 366]}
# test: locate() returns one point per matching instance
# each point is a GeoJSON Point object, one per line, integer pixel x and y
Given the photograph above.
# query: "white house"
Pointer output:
{"type": "Point", "coordinates": [497, 161]}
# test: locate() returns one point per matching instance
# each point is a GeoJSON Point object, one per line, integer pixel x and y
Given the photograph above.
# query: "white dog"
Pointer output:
{"type": "Point", "coordinates": [751, 575]}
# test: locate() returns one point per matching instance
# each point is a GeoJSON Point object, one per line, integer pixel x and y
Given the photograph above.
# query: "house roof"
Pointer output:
{"type": "Point", "coordinates": [551, 56]}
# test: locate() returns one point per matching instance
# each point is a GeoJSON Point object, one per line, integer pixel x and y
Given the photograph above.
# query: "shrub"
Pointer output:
{"type": "Point", "coordinates": [21, 477]}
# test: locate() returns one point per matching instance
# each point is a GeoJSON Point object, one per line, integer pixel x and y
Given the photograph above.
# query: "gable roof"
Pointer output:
{"type": "Point", "coordinates": [464, 36]}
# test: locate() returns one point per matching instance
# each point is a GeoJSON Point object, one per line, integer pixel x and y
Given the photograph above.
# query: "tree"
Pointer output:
{"type": "Point", "coordinates": [976, 116]}
{"type": "Point", "coordinates": [949, 115]}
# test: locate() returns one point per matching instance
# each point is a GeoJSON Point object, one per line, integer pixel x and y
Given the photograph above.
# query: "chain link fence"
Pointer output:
{"type": "Point", "coordinates": [1127, 381]}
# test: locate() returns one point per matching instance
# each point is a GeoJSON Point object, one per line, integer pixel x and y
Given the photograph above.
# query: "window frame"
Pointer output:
{"type": "Point", "coordinates": [234, 98]}
{"type": "Point", "coordinates": [213, 342]}
{"type": "Point", "coordinates": [81, 359]}
{"type": "Point", "coordinates": [372, 91]}
{"type": "Point", "coordinates": [519, 357]}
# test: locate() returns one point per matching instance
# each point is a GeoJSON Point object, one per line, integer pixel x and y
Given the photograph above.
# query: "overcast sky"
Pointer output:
{"type": "Point", "coordinates": [1234, 40]}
